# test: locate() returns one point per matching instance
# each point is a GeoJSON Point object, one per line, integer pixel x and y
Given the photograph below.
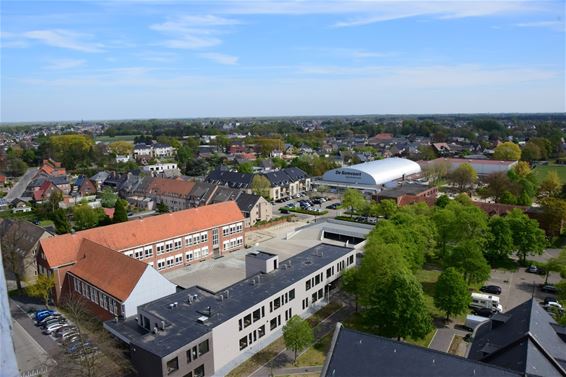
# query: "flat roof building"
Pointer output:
{"type": "Point", "coordinates": [482, 167]}
{"type": "Point", "coordinates": [205, 333]}
{"type": "Point", "coordinates": [371, 175]}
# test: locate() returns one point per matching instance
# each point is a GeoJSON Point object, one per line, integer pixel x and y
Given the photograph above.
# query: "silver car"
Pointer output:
{"type": "Point", "coordinates": [49, 329]}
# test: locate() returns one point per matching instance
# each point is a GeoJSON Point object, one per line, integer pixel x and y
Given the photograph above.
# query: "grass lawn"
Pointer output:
{"type": "Point", "coordinates": [45, 223]}
{"type": "Point", "coordinates": [259, 359]}
{"type": "Point", "coordinates": [541, 172]}
{"type": "Point", "coordinates": [315, 354]}
{"type": "Point", "coordinates": [110, 139]}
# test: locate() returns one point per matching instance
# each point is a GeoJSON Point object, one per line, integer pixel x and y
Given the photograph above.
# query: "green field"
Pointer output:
{"type": "Point", "coordinates": [110, 139]}
{"type": "Point", "coordinates": [540, 172]}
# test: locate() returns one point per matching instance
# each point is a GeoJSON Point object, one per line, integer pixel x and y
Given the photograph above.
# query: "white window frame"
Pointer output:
{"type": "Point", "coordinates": [148, 251]}
{"type": "Point", "coordinates": [189, 255]}
{"type": "Point", "coordinates": [160, 247]}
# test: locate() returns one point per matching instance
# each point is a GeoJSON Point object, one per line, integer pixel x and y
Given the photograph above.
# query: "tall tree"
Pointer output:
{"type": "Point", "coordinates": [464, 176]}
{"type": "Point", "coordinates": [554, 212]}
{"type": "Point", "coordinates": [297, 334]}
{"type": "Point", "coordinates": [500, 244]}
{"type": "Point", "coordinates": [531, 152]}
{"type": "Point", "coordinates": [260, 186]}
{"type": "Point", "coordinates": [436, 171]}
{"type": "Point", "coordinates": [85, 217]}
{"type": "Point", "coordinates": [351, 283]}
{"type": "Point", "coordinates": [122, 148]}
{"type": "Point", "coordinates": [61, 221]}
{"type": "Point", "coordinates": [120, 212]}
{"type": "Point", "coordinates": [551, 185]}
{"type": "Point", "coordinates": [508, 151]}
{"type": "Point", "coordinates": [451, 293]}
{"type": "Point", "coordinates": [468, 258]}
{"type": "Point", "coordinates": [15, 256]}
{"type": "Point", "coordinates": [108, 198]}
{"type": "Point", "coordinates": [354, 200]}
{"type": "Point", "coordinates": [528, 238]}
{"type": "Point", "coordinates": [42, 288]}
{"type": "Point", "coordinates": [398, 308]}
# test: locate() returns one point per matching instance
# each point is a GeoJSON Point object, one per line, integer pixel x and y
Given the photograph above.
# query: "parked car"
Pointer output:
{"type": "Point", "coordinates": [333, 206]}
{"type": "Point", "coordinates": [51, 328]}
{"type": "Point", "coordinates": [493, 289]}
{"type": "Point", "coordinates": [63, 330]}
{"type": "Point", "coordinates": [535, 270]}
{"type": "Point", "coordinates": [52, 316]}
{"type": "Point", "coordinates": [41, 314]}
{"type": "Point", "coordinates": [77, 345]}
{"type": "Point", "coordinates": [548, 288]}
{"type": "Point", "coordinates": [552, 305]}
{"type": "Point", "coordinates": [69, 334]}
{"type": "Point", "coordinates": [483, 312]}
{"type": "Point", "coordinates": [548, 299]}
{"type": "Point", "coordinates": [53, 321]}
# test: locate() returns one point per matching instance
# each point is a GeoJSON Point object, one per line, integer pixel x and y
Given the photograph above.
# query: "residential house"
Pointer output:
{"type": "Point", "coordinates": [84, 187]}
{"type": "Point", "coordinates": [112, 284]}
{"type": "Point", "coordinates": [165, 242]}
{"type": "Point", "coordinates": [174, 193]}
{"type": "Point", "coordinates": [43, 192]}
{"type": "Point", "coordinates": [51, 168]}
{"type": "Point", "coordinates": [20, 206]}
{"type": "Point", "coordinates": [169, 169]}
{"type": "Point", "coordinates": [254, 208]}
{"type": "Point", "coordinates": [21, 238]}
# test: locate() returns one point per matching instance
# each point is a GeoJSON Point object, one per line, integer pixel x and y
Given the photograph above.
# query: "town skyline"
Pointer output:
{"type": "Point", "coordinates": [143, 59]}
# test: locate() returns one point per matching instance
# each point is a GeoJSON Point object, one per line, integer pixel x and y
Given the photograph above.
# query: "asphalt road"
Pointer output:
{"type": "Point", "coordinates": [20, 186]}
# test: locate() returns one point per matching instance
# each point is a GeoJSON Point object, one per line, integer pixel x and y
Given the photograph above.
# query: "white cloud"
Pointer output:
{"type": "Point", "coordinates": [64, 39]}
{"type": "Point", "coordinates": [193, 32]}
{"type": "Point", "coordinates": [553, 25]}
{"type": "Point", "coordinates": [65, 63]}
{"type": "Point", "coordinates": [219, 58]}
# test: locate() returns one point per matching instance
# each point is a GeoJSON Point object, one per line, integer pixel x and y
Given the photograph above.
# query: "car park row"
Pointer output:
{"type": "Point", "coordinates": [63, 332]}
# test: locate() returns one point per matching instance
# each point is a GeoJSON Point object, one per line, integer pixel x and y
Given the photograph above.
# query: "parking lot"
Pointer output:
{"type": "Point", "coordinates": [519, 286]}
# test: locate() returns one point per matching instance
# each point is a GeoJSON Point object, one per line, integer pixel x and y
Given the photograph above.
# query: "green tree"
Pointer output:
{"type": "Point", "coordinates": [85, 217]}
{"type": "Point", "coordinates": [42, 288]}
{"type": "Point", "coordinates": [297, 334]}
{"type": "Point", "coordinates": [260, 186]}
{"type": "Point", "coordinates": [554, 212]}
{"type": "Point", "coordinates": [468, 258]}
{"type": "Point", "coordinates": [436, 171]}
{"type": "Point", "coordinates": [451, 293]}
{"type": "Point", "coordinates": [463, 177]}
{"type": "Point", "coordinates": [16, 167]}
{"type": "Point", "coordinates": [162, 208]}
{"type": "Point", "coordinates": [531, 152]}
{"type": "Point", "coordinates": [551, 185]}
{"type": "Point", "coordinates": [246, 167]}
{"type": "Point", "coordinates": [351, 283]}
{"type": "Point", "coordinates": [528, 238]}
{"type": "Point", "coordinates": [354, 200]}
{"type": "Point", "coordinates": [72, 149]}
{"type": "Point", "coordinates": [122, 148]}
{"type": "Point", "coordinates": [120, 212]}
{"type": "Point", "coordinates": [196, 167]}
{"type": "Point", "coordinates": [522, 169]}
{"type": "Point", "coordinates": [500, 244]}
{"type": "Point", "coordinates": [108, 198]}
{"type": "Point", "coordinates": [442, 201]}
{"type": "Point", "coordinates": [398, 309]}
{"type": "Point", "coordinates": [61, 222]}
{"type": "Point", "coordinates": [557, 264]}
{"type": "Point", "coordinates": [388, 208]}
{"type": "Point", "coordinates": [508, 151]}
{"type": "Point", "coordinates": [497, 184]}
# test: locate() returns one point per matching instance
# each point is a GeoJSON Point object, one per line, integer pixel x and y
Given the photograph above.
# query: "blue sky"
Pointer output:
{"type": "Point", "coordinates": [75, 60]}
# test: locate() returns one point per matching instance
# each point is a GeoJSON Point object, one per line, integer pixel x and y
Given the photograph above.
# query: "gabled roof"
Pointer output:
{"type": "Point", "coordinates": [63, 249]}
{"type": "Point", "coordinates": [524, 339]}
{"type": "Point", "coordinates": [356, 354]}
{"type": "Point", "coordinates": [247, 201]}
{"type": "Point", "coordinates": [230, 178]}
{"type": "Point", "coordinates": [108, 270]}
{"type": "Point", "coordinates": [171, 187]}
{"type": "Point", "coordinates": [23, 233]}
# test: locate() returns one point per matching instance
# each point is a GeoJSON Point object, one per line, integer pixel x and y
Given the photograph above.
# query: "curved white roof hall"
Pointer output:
{"type": "Point", "coordinates": [374, 172]}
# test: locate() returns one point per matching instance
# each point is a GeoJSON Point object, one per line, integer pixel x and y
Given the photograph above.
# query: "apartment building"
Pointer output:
{"type": "Point", "coordinates": [198, 333]}
{"type": "Point", "coordinates": [165, 242]}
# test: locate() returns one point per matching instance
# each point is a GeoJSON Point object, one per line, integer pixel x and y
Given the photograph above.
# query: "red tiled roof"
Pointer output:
{"type": "Point", "coordinates": [109, 212]}
{"type": "Point", "coordinates": [165, 186]}
{"type": "Point", "coordinates": [108, 270]}
{"type": "Point", "coordinates": [470, 161]}
{"type": "Point", "coordinates": [38, 194]}
{"type": "Point", "coordinates": [61, 250]}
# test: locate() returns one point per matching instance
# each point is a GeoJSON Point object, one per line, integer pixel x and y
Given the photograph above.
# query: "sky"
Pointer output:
{"type": "Point", "coordinates": [126, 59]}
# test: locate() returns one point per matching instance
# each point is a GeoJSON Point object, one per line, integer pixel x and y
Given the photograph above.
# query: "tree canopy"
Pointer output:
{"type": "Point", "coordinates": [508, 151]}
{"type": "Point", "coordinates": [451, 293]}
{"type": "Point", "coordinates": [297, 334]}
{"type": "Point", "coordinates": [463, 177]}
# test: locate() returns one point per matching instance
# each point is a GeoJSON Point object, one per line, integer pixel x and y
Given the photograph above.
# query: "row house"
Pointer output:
{"type": "Point", "coordinates": [156, 150]}
{"type": "Point", "coordinates": [164, 242]}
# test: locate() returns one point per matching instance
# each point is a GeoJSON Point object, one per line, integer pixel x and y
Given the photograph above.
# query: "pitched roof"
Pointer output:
{"type": "Point", "coordinates": [174, 187]}
{"type": "Point", "coordinates": [23, 233]}
{"type": "Point", "coordinates": [247, 201]}
{"type": "Point", "coordinates": [63, 249]}
{"type": "Point", "coordinates": [108, 270]}
{"type": "Point", "coordinates": [525, 339]}
{"type": "Point", "coordinates": [355, 354]}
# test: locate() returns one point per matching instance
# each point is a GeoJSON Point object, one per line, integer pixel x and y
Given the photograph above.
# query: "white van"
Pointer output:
{"type": "Point", "coordinates": [482, 300]}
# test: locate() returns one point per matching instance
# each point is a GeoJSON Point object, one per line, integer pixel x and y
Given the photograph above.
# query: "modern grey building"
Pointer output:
{"type": "Point", "coordinates": [199, 333]}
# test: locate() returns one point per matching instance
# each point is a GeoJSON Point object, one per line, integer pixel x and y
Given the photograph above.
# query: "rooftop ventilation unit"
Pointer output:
{"type": "Point", "coordinates": [227, 294]}
{"type": "Point", "coordinates": [202, 319]}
